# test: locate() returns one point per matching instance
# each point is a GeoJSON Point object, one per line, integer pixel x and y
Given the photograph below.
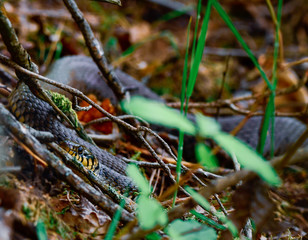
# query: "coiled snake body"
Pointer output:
{"type": "Point", "coordinates": [41, 116]}
{"type": "Point", "coordinates": [83, 73]}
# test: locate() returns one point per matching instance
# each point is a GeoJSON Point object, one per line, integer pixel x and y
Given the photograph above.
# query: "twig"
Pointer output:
{"type": "Point", "coordinates": [96, 179]}
{"type": "Point", "coordinates": [23, 135]}
{"type": "Point", "coordinates": [22, 58]}
{"type": "Point", "coordinates": [10, 169]}
{"type": "Point", "coordinates": [228, 181]}
{"type": "Point", "coordinates": [29, 151]}
{"type": "Point", "coordinates": [116, 2]}
{"type": "Point", "coordinates": [171, 166]}
{"type": "Point", "coordinates": [220, 204]}
{"type": "Point", "coordinates": [124, 117]}
{"type": "Point", "coordinates": [157, 179]}
{"type": "Point", "coordinates": [42, 136]}
{"type": "Point", "coordinates": [98, 138]}
{"type": "Point", "coordinates": [158, 159]}
{"type": "Point", "coordinates": [229, 103]}
{"type": "Point", "coordinates": [169, 150]}
{"type": "Point", "coordinates": [232, 52]}
{"type": "Point", "coordinates": [291, 64]}
{"type": "Point", "coordinates": [95, 49]}
{"type": "Point", "coordinates": [79, 94]}
{"type": "Point", "coordinates": [78, 108]}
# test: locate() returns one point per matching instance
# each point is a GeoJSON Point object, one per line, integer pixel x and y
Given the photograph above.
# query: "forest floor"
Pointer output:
{"type": "Point", "coordinates": [148, 41]}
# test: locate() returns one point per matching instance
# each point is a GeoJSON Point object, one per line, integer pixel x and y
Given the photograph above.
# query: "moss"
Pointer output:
{"type": "Point", "coordinates": [65, 105]}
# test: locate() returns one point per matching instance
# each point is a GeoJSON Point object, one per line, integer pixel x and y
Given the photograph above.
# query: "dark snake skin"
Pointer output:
{"type": "Point", "coordinates": [82, 73]}
{"type": "Point", "coordinates": [287, 131]}
{"type": "Point", "coordinates": [40, 115]}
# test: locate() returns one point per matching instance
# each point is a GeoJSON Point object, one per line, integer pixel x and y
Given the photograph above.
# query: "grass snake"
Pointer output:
{"type": "Point", "coordinates": [82, 73]}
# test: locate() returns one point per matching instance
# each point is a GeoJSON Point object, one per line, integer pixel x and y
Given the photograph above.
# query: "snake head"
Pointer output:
{"type": "Point", "coordinates": [81, 153]}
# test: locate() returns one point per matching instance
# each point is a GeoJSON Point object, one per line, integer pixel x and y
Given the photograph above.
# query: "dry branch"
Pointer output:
{"type": "Point", "coordinates": [22, 134]}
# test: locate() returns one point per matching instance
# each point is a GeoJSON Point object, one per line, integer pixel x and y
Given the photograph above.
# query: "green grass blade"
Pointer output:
{"type": "Point", "coordinates": [185, 70]}
{"type": "Point", "coordinates": [270, 109]}
{"type": "Point", "coordinates": [276, 44]}
{"type": "Point", "coordinates": [196, 31]}
{"type": "Point", "coordinates": [183, 97]}
{"type": "Point", "coordinates": [207, 220]}
{"type": "Point", "coordinates": [205, 204]}
{"type": "Point", "coordinates": [41, 230]}
{"type": "Point", "coordinates": [180, 154]}
{"type": "Point", "coordinates": [267, 117]}
{"type": "Point", "coordinates": [274, 74]}
{"type": "Point", "coordinates": [199, 51]}
{"type": "Point", "coordinates": [115, 220]}
{"type": "Point", "coordinates": [229, 23]}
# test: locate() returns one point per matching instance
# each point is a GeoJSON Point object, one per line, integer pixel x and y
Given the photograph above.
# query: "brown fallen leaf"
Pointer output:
{"type": "Point", "coordinates": [251, 201]}
{"type": "Point", "coordinates": [85, 218]}
{"type": "Point", "coordinates": [93, 113]}
{"type": "Point", "coordinates": [293, 102]}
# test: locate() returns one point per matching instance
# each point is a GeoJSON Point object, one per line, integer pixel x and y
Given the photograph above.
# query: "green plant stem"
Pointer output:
{"type": "Point", "coordinates": [270, 111]}
{"type": "Point", "coordinates": [115, 221]}
{"type": "Point", "coordinates": [229, 23]}
{"type": "Point", "coordinates": [199, 51]}
{"type": "Point", "coordinates": [187, 91]}
{"type": "Point", "coordinates": [183, 97]}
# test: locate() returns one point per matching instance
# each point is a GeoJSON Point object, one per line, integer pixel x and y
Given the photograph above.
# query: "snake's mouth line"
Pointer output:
{"type": "Point", "coordinates": [81, 153]}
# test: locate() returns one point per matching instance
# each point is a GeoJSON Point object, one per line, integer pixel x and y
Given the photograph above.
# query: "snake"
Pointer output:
{"type": "Point", "coordinates": [82, 73]}
{"type": "Point", "coordinates": [82, 154]}
{"type": "Point", "coordinates": [39, 115]}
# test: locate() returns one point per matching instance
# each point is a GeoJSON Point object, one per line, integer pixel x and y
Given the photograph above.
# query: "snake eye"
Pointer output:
{"type": "Point", "coordinates": [80, 149]}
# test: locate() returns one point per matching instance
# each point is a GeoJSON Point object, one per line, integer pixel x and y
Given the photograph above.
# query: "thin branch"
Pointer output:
{"type": "Point", "coordinates": [12, 169]}
{"type": "Point", "coordinates": [105, 138]}
{"type": "Point", "coordinates": [169, 150]}
{"type": "Point", "coordinates": [96, 179]}
{"type": "Point", "coordinates": [155, 165]}
{"type": "Point", "coordinates": [6, 61]}
{"type": "Point", "coordinates": [29, 151]}
{"type": "Point", "coordinates": [77, 108]}
{"type": "Point", "coordinates": [292, 64]}
{"type": "Point", "coordinates": [292, 156]}
{"type": "Point", "coordinates": [22, 134]}
{"type": "Point", "coordinates": [160, 161]}
{"type": "Point", "coordinates": [95, 49]}
{"type": "Point", "coordinates": [116, 2]}
{"type": "Point", "coordinates": [124, 117]}
{"type": "Point", "coordinates": [229, 103]}
{"type": "Point", "coordinates": [79, 94]}
{"type": "Point", "coordinates": [22, 58]}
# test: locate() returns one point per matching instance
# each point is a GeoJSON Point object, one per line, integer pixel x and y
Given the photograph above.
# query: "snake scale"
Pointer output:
{"type": "Point", "coordinates": [82, 73]}
{"type": "Point", "coordinates": [40, 115]}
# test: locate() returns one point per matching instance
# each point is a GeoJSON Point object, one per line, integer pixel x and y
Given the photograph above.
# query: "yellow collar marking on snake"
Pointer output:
{"type": "Point", "coordinates": [81, 153]}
